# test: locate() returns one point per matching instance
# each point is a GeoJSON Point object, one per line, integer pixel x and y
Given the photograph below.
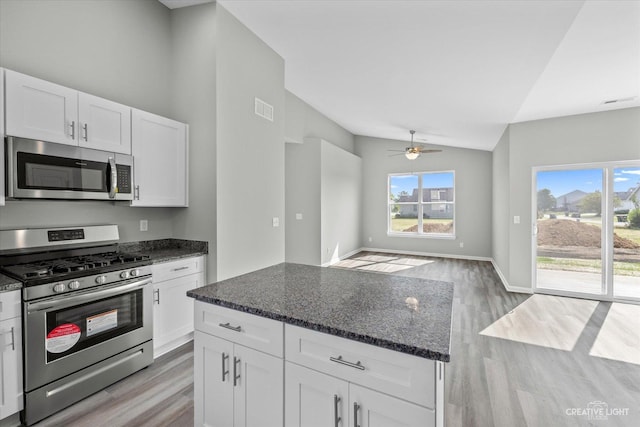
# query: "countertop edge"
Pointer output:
{"type": "Point", "coordinates": [378, 342]}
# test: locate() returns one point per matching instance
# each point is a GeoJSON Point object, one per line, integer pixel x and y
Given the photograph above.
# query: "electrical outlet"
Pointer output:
{"type": "Point", "coordinates": [462, 244]}
{"type": "Point", "coordinates": [516, 219]}
{"type": "Point", "coordinates": [144, 225]}
{"type": "Point", "coordinates": [298, 216]}
{"type": "Point", "coordinates": [276, 221]}
{"type": "Point", "coordinates": [370, 239]}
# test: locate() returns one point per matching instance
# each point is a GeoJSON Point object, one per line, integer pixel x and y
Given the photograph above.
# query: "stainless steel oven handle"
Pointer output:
{"type": "Point", "coordinates": [113, 187]}
{"type": "Point", "coordinates": [92, 295]}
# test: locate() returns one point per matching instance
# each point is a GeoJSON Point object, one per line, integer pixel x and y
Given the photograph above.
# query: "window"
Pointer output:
{"type": "Point", "coordinates": [421, 204]}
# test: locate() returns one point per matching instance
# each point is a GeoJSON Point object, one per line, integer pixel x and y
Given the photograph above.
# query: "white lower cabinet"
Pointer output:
{"type": "Point", "coordinates": [236, 386]}
{"type": "Point", "coordinates": [172, 308]}
{"type": "Point", "coordinates": [10, 355]}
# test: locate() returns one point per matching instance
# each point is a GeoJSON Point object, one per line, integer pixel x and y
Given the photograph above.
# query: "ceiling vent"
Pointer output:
{"type": "Point", "coordinates": [263, 109]}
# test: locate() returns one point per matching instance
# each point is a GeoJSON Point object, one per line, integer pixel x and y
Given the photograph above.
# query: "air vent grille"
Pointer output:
{"type": "Point", "coordinates": [263, 109]}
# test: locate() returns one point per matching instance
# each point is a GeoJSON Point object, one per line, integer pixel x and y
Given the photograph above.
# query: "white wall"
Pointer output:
{"type": "Point", "coordinates": [250, 151]}
{"type": "Point", "coordinates": [500, 207]}
{"type": "Point", "coordinates": [341, 202]}
{"type": "Point", "coordinates": [585, 138]}
{"type": "Point", "coordinates": [115, 49]}
{"type": "Point", "coordinates": [473, 174]}
{"type": "Point", "coordinates": [193, 32]}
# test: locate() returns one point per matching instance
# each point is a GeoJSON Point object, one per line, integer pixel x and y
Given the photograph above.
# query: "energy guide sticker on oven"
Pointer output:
{"type": "Point", "coordinates": [62, 338]}
{"type": "Point", "coordinates": [102, 322]}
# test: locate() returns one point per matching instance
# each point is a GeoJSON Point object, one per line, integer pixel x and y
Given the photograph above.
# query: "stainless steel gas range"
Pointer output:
{"type": "Point", "coordinates": [87, 312]}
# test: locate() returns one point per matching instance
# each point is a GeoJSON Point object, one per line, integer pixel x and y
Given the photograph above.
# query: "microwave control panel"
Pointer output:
{"type": "Point", "coordinates": [124, 178]}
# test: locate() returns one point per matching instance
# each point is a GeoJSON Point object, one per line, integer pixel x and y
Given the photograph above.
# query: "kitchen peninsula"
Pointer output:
{"type": "Point", "coordinates": [353, 348]}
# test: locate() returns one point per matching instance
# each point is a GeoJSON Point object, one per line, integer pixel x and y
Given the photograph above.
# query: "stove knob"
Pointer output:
{"type": "Point", "coordinates": [135, 272]}
{"type": "Point", "coordinates": [74, 284]}
{"type": "Point", "coordinates": [59, 287]}
{"type": "Point", "coordinates": [101, 279]}
{"type": "Point", "coordinates": [124, 275]}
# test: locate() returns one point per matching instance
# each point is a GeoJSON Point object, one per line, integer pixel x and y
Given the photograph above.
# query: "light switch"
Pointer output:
{"type": "Point", "coordinates": [276, 221]}
{"type": "Point", "coordinates": [298, 216]}
{"type": "Point", "coordinates": [516, 219]}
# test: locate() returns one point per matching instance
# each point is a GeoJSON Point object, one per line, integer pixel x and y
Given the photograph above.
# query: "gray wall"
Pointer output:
{"type": "Point", "coordinates": [500, 207]}
{"type": "Point", "coordinates": [304, 121]}
{"type": "Point", "coordinates": [114, 49]}
{"type": "Point", "coordinates": [341, 202]}
{"type": "Point", "coordinates": [585, 138]}
{"type": "Point", "coordinates": [250, 151]}
{"type": "Point", "coordinates": [473, 175]}
{"type": "Point", "coordinates": [194, 96]}
{"type": "Point", "coordinates": [302, 195]}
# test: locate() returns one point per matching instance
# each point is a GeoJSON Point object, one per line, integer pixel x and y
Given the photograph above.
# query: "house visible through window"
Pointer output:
{"type": "Point", "coordinates": [421, 204]}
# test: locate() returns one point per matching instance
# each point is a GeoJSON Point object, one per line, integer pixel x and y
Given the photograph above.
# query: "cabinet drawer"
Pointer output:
{"type": "Point", "coordinates": [245, 329]}
{"type": "Point", "coordinates": [10, 304]}
{"type": "Point", "coordinates": [172, 269]}
{"type": "Point", "coordinates": [408, 377]}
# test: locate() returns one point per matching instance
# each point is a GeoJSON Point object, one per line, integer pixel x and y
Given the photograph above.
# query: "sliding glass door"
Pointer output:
{"type": "Point", "coordinates": [587, 238]}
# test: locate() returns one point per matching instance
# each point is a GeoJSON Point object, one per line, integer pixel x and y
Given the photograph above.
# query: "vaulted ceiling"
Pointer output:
{"type": "Point", "coordinates": [458, 72]}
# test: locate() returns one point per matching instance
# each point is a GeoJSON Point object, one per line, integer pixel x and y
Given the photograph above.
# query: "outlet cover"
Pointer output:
{"type": "Point", "coordinates": [276, 221]}
{"type": "Point", "coordinates": [144, 225]}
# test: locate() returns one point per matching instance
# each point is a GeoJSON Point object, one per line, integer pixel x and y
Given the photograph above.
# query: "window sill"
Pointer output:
{"type": "Point", "coordinates": [423, 236]}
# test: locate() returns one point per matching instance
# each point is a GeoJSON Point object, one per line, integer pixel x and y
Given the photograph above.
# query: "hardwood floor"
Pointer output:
{"type": "Point", "coordinates": [491, 381]}
{"type": "Point", "coordinates": [159, 395]}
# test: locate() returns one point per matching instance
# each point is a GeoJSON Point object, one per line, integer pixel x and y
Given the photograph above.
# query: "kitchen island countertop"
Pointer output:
{"type": "Point", "coordinates": [9, 284]}
{"type": "Point", "coordinates": [404, 314]}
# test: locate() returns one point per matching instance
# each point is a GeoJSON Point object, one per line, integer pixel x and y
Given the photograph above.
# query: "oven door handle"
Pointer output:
{"type": "Point", "coordinates": [91, 295]}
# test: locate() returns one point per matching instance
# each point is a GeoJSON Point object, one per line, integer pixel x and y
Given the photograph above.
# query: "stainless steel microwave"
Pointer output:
{"type": "Point", "coordinates": [45, 170]}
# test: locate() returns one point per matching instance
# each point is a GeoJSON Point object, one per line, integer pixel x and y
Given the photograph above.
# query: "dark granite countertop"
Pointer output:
{"type": "Point", "coordinates": [9, 284]}
{"type": "Point", "coordinates": [164, 250]}
{"type": "Point", "coordinates": [362, 306]}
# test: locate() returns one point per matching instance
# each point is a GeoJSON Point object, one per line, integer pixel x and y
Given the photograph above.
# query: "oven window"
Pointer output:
{"type": "Point", "coordinates": [37, 171]}
{"type": "Point", "coordinates": [72, 329]}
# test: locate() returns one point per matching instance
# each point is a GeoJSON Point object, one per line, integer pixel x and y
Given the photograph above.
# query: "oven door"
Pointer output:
{"type": "Point", "coordinates": [53, 171]}
{"type": "Point", "coordinates": [66, 333]}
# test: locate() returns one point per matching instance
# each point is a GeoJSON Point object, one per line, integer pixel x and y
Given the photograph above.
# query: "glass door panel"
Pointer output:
{"type": "Point", "coordinates": [626, 232]}
{"type": "Point", "coordinates": [569, 231]}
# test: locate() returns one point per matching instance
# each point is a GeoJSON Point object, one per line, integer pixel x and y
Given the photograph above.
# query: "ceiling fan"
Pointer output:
{"type": "Point", "coordinates": [413, 151]}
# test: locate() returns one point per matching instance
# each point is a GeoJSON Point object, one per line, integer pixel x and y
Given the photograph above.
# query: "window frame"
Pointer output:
{"type": "Point", "coordinates": [419, 233]}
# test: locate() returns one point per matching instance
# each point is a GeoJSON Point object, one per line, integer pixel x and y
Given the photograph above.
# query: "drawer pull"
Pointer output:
{"type": "Point", "coordinates": [228, 326]}
{"type": "Point", "coordinates": [339, 359]}
{"type": "Point", "coordinates": [181, 268]}
{"type": "Point", "coordinates": [336, 418]}
{"type": "Point", "coordinates": [356, 407]}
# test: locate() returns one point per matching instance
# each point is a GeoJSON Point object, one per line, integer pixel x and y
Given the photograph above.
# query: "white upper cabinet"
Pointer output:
{"type": "Point", "coordinates": [38, 109]}
{"type": "Point", "coordinates": [104, 125]}
{"type": "Point", "coordinates": [159, 147]}
{"type": "Point", "coordinates": [2, 133]}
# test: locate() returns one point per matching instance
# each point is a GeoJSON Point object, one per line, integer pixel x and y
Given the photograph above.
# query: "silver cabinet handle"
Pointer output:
{"type": "Point", "coordinates": [73, 129]}
{"type": "Point", "coordinates": [181, 268]}
{"type": "Point", "coordinates": [156, 296]}
{"type": "Point", "coordinates": [339, 359]}
{"type": "Point", "coordinates": [356, 407]}
{"type": "Point", "coordinates": [13, 339]}
{"type": "Point", "coordinates": [336, 418]}
{"type": "Point", "coordinates": [236, 370]}
{"type": "Point", "coordinates": [225, 371]}
{"type": "Point", "coordinates": [86, 132]}
{"type": "Point", "coordinates": [228, 326]}
{"type": "Point", "coordinates": [136, 193]}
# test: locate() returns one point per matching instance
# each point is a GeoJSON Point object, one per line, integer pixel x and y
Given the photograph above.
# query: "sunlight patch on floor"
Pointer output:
{"type": "Point", "coordinates": [619, 336]}
{"type": "Point", "coordinates": [544, 320]}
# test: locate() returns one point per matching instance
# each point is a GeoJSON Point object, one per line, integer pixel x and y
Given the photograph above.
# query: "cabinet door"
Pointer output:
{"type": "Point", "coordinates": [259, 393]}
{"type": "Point", "coordinates": [375, 409]}
{"type": "Point", "coordinates": [2, 136]}
{"type": "Point", "coordinates": [173, 311]}
{"type": "Point", "coordinates": [104, 125]}
{"type": "Point", "coordinates": [213, 381]}
{"type": "Point", "coordinates": [314, 399]}
{"type": "Point", "coordinates": [159, 146]}
{"type": "Point", "coordinates": [42, 110]}
{"type": "Point", "coordinates": [11, 367]}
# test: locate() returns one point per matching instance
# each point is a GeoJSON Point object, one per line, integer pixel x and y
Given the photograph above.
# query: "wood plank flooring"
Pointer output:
{"type": "Point", "coordinates": [490, 381]}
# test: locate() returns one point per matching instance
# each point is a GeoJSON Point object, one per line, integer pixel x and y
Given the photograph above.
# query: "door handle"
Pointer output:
{"type": "Point", "coordinates": [336, 418]}
{"type": "Point", "coordinates": [356, 407]}
{"type": "Point", "coordinates": [236, 370]}
{"type": "Point", "coordinates": [225, 370]}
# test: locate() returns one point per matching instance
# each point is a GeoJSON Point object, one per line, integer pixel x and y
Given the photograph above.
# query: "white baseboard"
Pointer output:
{"type": "Point", "coordinates": [172, 345]}
{"type": "Point", "coordinates": [505, 283]}
{"type": "Point", "coordinates": [341, 257]}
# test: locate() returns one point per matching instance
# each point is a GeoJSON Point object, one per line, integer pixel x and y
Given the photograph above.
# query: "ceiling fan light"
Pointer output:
{"type": "Point", "coordinates": [411, 155]}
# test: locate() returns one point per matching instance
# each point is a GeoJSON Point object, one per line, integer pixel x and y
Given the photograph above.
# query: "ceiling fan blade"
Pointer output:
{"type": "Point", "coordinates": [429, 151]}
{"type": "Point", "coordinates": [399, 154]}
{"type": "Point", "coordinates": [399, 151]}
